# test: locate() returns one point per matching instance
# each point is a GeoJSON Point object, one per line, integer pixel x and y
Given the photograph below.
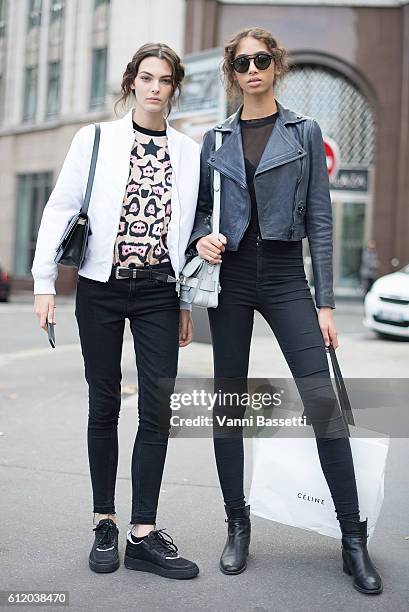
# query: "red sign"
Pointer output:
{"type": "Point", "coordinates": [332, 155]}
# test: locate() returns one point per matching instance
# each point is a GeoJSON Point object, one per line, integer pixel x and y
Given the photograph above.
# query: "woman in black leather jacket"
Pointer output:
{"type": "Point", "coordinates": [274, 192]}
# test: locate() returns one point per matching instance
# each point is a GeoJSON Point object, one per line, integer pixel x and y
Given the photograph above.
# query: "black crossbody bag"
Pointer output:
{"type": "Point", "coordinates": [73, 243]}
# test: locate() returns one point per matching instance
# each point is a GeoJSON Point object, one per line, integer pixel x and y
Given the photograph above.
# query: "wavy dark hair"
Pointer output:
{"type": "Point", "coordinates": [152, 50]}
{"type": "Point", "coordinates": [278, 52]}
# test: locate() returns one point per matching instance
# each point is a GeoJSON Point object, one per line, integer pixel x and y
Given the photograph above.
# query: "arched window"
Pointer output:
{"type": "Point", "coordinates": [340, 108]}
{"type": "Point", "coordinates": [346, 116]}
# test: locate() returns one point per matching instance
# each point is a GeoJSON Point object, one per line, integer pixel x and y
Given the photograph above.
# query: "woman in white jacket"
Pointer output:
{"type": "Point", "coordinates": [141, 215]}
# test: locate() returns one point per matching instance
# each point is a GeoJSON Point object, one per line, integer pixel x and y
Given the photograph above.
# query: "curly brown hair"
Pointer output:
{"type": "Point", "coordinates": [277, 51]}
{"type": "Point", "coordinates": [161, 51]}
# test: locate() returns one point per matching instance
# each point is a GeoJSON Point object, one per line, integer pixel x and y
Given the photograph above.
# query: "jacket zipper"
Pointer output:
{"type": "Point", "coordinates": [286, 161]}
{"type": "Point", "coordinates": [233, 178]}
{"type": "Point", "coordinates": [247, 222]}
{"type": "Point", "coordinates": [292, 226]}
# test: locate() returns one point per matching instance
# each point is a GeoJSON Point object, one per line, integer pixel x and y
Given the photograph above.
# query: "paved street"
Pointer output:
{"type": "Point", "coordinates": [45, 492]}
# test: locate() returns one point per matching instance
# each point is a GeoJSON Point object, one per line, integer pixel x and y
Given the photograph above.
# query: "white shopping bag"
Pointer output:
{"type": "Point", "coordinates": [288, 485]}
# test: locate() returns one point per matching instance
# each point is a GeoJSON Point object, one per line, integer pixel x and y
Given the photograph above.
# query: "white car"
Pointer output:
{"type": "Point", "coordinates": [386, 305]}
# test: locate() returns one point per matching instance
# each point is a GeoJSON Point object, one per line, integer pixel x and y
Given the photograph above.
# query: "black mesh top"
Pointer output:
{"type": "Point", "coordinates": [255, 134]}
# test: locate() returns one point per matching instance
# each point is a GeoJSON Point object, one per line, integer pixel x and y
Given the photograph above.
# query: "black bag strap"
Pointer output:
{"type": "Point", "coordinates": [341, 389]}
{"type": "Point", "coordinates": [91, 174]}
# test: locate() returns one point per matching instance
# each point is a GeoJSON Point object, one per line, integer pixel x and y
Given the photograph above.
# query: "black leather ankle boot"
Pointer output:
{"type": "Point", "coordinates": [356, 560]}
{"type": "Point", "coordinates": [236, 549]}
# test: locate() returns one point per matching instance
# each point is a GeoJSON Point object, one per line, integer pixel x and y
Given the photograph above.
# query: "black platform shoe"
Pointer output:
{"type": "Point", "coordinates": [356, 560]}
{"type": "Point", "coordinates": [158, 554]}
{"type": "Point", "coordinates": [236, 549]}
{"type": "Point", "coordinates": [104, 555]}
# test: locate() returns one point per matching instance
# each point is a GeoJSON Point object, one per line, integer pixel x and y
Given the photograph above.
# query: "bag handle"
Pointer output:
{"type": "Point", "coordinates": [216, 191]}
{"type": "Point", "coordinates": [91, 174]}
{"type": "Point", "coordinates": [341, 389]}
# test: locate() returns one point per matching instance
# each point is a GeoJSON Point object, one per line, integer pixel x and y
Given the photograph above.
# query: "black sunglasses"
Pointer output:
{"type": "Point", "coordinates": [261, 60]}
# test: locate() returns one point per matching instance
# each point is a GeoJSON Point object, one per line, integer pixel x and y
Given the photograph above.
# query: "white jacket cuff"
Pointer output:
{"type": "Point", "coordinates": [44, 286]}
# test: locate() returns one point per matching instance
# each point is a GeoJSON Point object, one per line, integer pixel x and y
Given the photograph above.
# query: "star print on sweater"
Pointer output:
{"type": "Point", "coordinates": [151, 148]}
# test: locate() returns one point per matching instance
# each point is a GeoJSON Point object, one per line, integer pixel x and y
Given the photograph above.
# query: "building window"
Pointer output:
{"type": "Point", "coordinates": [339, 106]}
{"type": "Point", "coordinates": [33, 191]}
{"type": "Point", "coordinates": [30, 93]}
{"type": "Point", "coordinates": [3, 17]}
{"type": "Point", "coordinates": [53, 88]}
{"type": "Point", "coordinates": [98, 79]}
{"type": "Point", "coordinates": [56, 10]}
{"type": "Point", "coordinates": [99, 2]}
{"type": "Point", "coordinates": [34, 13]}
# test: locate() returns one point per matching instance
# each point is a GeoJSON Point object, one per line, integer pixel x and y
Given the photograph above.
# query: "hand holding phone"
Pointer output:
{"type": "Point", "coordinates": [44, 308]}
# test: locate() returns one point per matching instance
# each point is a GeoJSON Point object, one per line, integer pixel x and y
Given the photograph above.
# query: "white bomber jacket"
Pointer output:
{"type": "Point", "coordinates": [105, 207]}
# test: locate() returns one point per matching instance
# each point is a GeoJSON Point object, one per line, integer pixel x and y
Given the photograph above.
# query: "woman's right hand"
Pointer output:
{"type": "Point", "coordinates": [44, 306]}
{"type": "Point", "coordinates": [209, 247]}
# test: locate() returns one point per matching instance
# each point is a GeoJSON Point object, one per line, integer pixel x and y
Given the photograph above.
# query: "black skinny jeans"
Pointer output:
{"type": "Point", "coordinates": [152, 308]}
{"type": "Point", "coordinates": [269, 276]}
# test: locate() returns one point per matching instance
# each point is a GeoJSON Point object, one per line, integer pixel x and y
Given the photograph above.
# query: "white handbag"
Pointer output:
{"type": "Point", "coordinates": [289, 487]}
{"type": "Point", "coordinates": [199, 279]}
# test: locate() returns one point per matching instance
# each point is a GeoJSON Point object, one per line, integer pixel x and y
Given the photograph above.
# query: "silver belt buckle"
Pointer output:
{"type": "Point", "coordinates": [117, 272]}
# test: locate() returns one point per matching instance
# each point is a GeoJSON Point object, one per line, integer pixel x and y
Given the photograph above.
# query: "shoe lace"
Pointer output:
{"type": "Point", "coordinates": [163, 544]}
{"type": "Point", "coordinates": [105, 532]}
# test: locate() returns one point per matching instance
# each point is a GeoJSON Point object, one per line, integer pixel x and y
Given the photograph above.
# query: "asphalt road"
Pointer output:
{"type": "Point", "coordinates": [45, 493]}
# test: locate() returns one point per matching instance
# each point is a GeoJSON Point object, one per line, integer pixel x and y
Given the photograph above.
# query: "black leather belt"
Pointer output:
{"type": "Point", "coordinates": [122, 272]}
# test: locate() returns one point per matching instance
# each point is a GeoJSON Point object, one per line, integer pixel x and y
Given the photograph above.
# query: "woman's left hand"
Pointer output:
{"type": "Point", "coordinates": [327, 325]}
{"type": "Point", "coordinates": [185, 327]}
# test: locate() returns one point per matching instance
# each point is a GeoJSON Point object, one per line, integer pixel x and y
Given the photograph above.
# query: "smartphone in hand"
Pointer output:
{"type": "Point", "coordinates": [51, 335]}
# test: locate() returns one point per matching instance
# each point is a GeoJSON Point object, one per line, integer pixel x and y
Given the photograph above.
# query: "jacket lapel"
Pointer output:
{"type": "Point", "coordinates": [117, 139]}
{"type": "Point", "coordinates": [281, 146]}
{"type": "Point", "coordinates": [175, 148]}
{"type": "Point", "coordinates": [229, 158]}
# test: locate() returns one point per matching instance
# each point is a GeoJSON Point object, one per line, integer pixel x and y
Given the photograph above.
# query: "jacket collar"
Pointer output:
{"type": "Point", "coordinates": [286, 115]}
{"type": "Point", "coordinates": [281, 146]}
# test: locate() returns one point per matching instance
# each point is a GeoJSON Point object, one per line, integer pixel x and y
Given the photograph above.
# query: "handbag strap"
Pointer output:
{"type": "Point", "coordinates": [341, 389]}
{"type": "Point", "coordinates": [216, 191]}
{"type": "Point", "coordinates": [84, 208]}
